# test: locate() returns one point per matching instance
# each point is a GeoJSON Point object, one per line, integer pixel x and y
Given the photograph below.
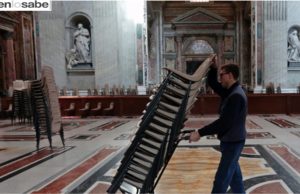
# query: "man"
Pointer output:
{"type": "Point", "coordinates": [230, 127]}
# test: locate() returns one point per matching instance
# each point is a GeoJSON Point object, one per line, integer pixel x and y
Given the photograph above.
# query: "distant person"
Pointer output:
{"type": "Point", "coordinates": [82, 44]}
{"type": "Point", "coordinates": [293, 46]}
{"type": "Point", "coordinates": [230, 127]}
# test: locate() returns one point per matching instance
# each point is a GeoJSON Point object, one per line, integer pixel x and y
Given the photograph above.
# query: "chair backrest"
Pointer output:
{"type": "Point", "coordinates": [89, 92]}
{"type": "Point", "coordinates": [18, 85]}
{"type": "Point", "coordinates": [199, 73]}
{"type": "Point", "coordinates": [87, 105]}
{"type": "Point", "coordinates": [9, 107]}
{"type": "Point", "coordinates": [106, 89]}
{"type": "Point", "coordinates": [96, 92]}
{"type": "Point", "coordinates": [72, 105]}
{"type": "Point", "coordinates": [111, 105]}
{"type": "Point", "coordinates": [99, 105]}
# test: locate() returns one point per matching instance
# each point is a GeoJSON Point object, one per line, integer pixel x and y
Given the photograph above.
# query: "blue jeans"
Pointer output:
{"type": "Point", "coordinates": [229, 172]}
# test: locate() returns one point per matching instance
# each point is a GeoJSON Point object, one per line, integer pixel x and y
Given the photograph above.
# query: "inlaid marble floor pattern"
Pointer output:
{"type": "Point", "coordinates": [94, 147]}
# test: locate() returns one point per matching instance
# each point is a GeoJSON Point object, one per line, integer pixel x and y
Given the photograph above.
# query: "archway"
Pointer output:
{"type": "Point", "coordinates": [195, 52]}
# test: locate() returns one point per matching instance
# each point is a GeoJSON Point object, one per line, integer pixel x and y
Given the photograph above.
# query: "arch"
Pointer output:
{"type": "Point", "coordinates": [197, 47]}
{"type": "Point", "coordinates": [79, 17]}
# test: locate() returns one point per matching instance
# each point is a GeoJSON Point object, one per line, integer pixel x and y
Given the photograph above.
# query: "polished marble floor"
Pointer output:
{"type": "Point", "coordinates": [94, 147]}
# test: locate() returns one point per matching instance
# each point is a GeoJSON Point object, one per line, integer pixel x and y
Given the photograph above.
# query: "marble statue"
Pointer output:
{"type": "Point", "coordinates": [82, 44]}
{"type": "Point", "coordinates": [293, 46]}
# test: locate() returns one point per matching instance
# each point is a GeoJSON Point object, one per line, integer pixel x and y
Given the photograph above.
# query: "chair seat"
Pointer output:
{"type": "Point", "coordinates": [109, 110]}
{"type": "Point", "coordinates": [85, 110]}
{"type": "Point", "coordinates": [97, 110]}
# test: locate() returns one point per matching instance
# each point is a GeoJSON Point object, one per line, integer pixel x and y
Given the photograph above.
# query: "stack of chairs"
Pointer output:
{"type": "Point", "coordinates": [26, 102]}
{"type": "Point", "coordinates": [40, 108]}
{"type": "Point", "coordinates": [21, 108]}
{"type": "Point", "coordinates": [17, 105]}
{"type": "Point", "coordinates": [45, 105]}
{"type": "Point", "coordinates": [159, 130]}
{"type": "Point", "coordinates": [52, 97]}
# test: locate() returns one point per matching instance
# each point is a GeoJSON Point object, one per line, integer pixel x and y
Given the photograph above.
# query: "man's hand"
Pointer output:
{"type": "Point", "coordinates": [194, 136]}
{"type": "Point", "coordinates": [213, 63]}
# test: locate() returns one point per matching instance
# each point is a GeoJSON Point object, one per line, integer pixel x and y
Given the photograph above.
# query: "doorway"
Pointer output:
{"type": "Point", "coordinates": [192, 66]}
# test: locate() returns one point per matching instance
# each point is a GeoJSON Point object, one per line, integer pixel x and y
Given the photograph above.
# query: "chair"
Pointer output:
{"type": "Point", "coordinates": [109, 110]}
{"type": "Point", "coordinates": [9, 111]}
{"type": "Point", "coordinates": [63, 91]}
{"type": "Point", "coordinates": [89, 92]}
{"type": "Point", "coordinates": [106, 91]}
{"type": "Point", "coordinates": [96, 111]}
{"type": "Point", "coordinates": [96, 93]}
{"type": "Point", "coordinates": [85, 110]}
{"type": "Point", "coordinates": [75, 92]}
{"type": "Point", "coordinates": [71, 110]}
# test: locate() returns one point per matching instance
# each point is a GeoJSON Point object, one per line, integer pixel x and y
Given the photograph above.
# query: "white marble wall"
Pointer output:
{"type": "Point", "coordinates": [278, 19]}
{"type": "Point", "coordinates": [113, 41]}
{"type": "Point", "coordinates": [52, 44]}
{"type": "Point", "coordinates": [275, 53]}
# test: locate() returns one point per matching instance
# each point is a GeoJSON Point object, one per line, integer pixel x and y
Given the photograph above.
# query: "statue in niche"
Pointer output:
{"type": "Point", "coordinates": [82, 44]}
{"type": "Point", "coordinates": [293, 46]}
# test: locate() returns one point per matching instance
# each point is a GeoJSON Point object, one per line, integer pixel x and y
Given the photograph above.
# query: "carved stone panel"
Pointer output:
{"type": "Point", "coordinates": [170, 45]}
{"type": "Point", "coordinates": [170, 63]}
{"type": "Point", "coordinates": [228, 44]}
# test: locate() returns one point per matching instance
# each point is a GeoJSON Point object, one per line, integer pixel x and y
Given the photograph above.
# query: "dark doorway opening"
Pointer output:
{"type": "Point", "coordinates": [192, 66]}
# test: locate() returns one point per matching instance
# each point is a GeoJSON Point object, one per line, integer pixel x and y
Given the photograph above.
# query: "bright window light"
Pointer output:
{"type": "Point", "coordinates": [135, 10]}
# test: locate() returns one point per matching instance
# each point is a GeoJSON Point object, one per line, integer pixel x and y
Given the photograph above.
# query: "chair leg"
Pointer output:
{"type": "Point", "coordinates": [61, 133]}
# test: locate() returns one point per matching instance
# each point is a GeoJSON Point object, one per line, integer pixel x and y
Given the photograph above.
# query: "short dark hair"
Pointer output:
{"type": "Point", "coordinates": [233, 69]}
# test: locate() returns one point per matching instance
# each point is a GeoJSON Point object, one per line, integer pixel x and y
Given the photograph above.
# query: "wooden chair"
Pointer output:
{"type": "Point", "coordinates": [85, 110]}
{"type": "Point", "coordinates": [96, 93]}
{"type": "Point", "coordinates": [71, 110]}
{"type": "Point", "coordinates": [89, 92]}
{"type": "Point", "coordinates": [96, 111]}
{"type": "Point", "coordinates": [122, 90]}
{"type": "Point", "coordinates": [109, 110]}
{"type": "Point", "coordinates": [106, 91]}
{"type": "Point", "coordinates": [75, 92]}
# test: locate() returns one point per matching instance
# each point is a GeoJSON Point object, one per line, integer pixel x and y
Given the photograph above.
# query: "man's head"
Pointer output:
{"type": "Point", "coordinates": [229, 74]}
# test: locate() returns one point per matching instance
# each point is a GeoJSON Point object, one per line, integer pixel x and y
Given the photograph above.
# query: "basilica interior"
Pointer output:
{"type": "Point", "coordinates": [97, 96]}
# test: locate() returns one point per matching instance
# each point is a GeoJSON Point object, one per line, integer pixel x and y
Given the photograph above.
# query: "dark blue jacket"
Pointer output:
{"type": "Point", "coordinates": [230, 126]}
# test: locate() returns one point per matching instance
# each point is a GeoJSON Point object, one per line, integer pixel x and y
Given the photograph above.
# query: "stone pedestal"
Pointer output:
{"type": "Point", "coordinates": [84, 66]}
